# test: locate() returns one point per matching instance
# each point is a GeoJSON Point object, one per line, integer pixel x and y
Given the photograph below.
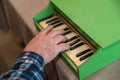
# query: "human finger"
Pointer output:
{"type": "Point", "coordinates": [63, 47]}
{"type": "Point", "coordinates": [56, 32]}
{"type": "Point", "coordinates": [47, 30]}
{"type": "Point", "coordinates": [59, 38]}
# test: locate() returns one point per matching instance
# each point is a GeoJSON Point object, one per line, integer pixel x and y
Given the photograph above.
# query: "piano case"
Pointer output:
{"type": "Point", "coordinates": [98, 21]}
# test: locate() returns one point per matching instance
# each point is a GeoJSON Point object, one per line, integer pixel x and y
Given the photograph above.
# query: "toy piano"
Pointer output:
{"type": "Point", "coordinates": [92, 28]}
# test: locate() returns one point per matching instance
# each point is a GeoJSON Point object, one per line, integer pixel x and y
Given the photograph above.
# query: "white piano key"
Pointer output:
{"type": "Point", "coordinates": [72, 54]}
{"type": "Point", "coordinates": [70, 35]}
{"type": "Point", "coordinates": [60, 27]}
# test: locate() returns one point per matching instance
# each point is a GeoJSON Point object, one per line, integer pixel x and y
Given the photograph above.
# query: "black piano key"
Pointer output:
{"type": "Point", "coordinates": [51, 20]}
{"type": "Point", "coordinates": [67, 32]}
{"type": "Point", "coordinates": [66, 29]}
{"type": "Point", "coordinates": [72, 38]}
{"type": "Point", "coordinates": [83, 52]}
{"type": "Point", "coordinates": [86, 56]}
{"type": "Point", "coordinates": [54, 22]}
{"type": "Point", "coordinates": [57, 25]}
{"type": "Point", "coordinates": [77, 45]}
{"type": "Point", "coordinates": [74, 42]}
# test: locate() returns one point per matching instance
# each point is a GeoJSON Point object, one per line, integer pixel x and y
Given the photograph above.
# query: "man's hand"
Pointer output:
{"type": "Point", "coordinates": [48, 43]}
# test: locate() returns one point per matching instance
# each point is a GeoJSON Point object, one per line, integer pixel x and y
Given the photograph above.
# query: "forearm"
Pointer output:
{"type": "Point", "coordinates": [29, 66]}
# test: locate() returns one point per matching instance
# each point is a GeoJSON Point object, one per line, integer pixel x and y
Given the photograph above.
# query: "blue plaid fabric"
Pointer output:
{"type": "Point", "coordinates": [29, 66]}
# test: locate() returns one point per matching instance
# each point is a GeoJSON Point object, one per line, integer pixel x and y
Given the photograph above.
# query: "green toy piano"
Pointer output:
{"type": "Point", "coordinates": [92, 28]}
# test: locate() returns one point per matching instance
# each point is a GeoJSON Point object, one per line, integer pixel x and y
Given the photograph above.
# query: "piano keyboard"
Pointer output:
{"type": "Point", "coordinates": [80, 51]}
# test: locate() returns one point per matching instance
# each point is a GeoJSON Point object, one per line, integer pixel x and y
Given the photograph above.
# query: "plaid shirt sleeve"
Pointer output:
{"type": "Point", "coordinates": [29, 66]}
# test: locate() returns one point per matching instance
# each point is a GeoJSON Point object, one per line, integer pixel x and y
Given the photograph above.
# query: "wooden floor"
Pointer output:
{"type": "Point", "coordinates": [9, 50]}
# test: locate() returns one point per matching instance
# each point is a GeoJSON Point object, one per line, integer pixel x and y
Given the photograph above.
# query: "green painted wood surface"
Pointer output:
{"type": "Point", "coordinates": [99, 60]}
{"type": "Point", "coordinates": [100, 19]}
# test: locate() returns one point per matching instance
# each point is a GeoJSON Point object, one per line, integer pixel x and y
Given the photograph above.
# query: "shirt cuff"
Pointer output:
{"type": "Point", "coordinates": [36, 57]}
